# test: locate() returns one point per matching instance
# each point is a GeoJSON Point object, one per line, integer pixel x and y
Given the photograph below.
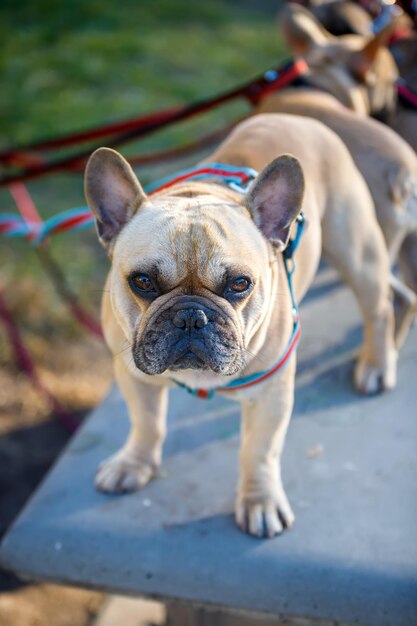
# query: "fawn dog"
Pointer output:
{"type": "Point", "coordinates": [198, 293]}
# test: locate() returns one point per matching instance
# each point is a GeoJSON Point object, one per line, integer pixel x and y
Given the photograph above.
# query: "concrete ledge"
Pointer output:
{"type": "Point", "coordinates": [350, 471]}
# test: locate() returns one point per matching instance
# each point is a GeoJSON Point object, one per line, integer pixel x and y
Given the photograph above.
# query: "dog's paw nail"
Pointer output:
{"type": "Point", "coordinates": [256, 524]}
{"type": "Point", "coordinates": [241, 518]}
{"type": "Point", "coordinates": [273, 524]}
{"type": "Point", "coordinates": [286, 514]}
{"type": "Point", "coordinates": [264, 520]}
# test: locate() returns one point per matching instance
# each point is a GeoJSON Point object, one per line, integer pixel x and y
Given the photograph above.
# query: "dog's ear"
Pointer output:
{"type": "Point", "coordinates": [275, 198]}
{"type": "Point", "coordinates": [301, 30]}
{"type": "Point", "coordinates": [361, 61]}
{"type": "Point", "coordinates": [113, 193]}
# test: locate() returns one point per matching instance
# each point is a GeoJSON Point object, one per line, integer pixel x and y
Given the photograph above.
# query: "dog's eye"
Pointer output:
{"type": "Point", "coordinates": [239, 286]}
{"type": "Point", "coordinates": [141, 284]}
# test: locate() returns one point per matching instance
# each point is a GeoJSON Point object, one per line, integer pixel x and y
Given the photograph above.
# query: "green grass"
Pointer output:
{"type": "Point", "coordinates": [68, 65]}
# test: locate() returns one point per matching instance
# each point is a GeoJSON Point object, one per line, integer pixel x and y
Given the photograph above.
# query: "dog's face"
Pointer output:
{"type": "Point", "coordinates": [191, 271]}
{"type": "Point", "coordinates": [189, 278]}
{"type": "Point", "coordinates": [360, 72]}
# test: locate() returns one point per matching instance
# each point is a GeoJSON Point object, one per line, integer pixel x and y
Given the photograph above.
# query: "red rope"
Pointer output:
{"type": "Point", "coordinates": [145, 125]}
{"type": "Point", "coordinates": [26, 208]}
{"type": "Point", "coordinates": [159, 156]}
{"type": "Point", "coordinates": [98, 132]}
{"type": "Point", "coordinates": [25, 203]}
{"type": "Point", "coordinates": [30, 214]}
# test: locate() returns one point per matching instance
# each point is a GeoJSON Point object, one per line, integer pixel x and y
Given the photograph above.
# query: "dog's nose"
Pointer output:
{"type": "Point", "coordinates": [190, 319]}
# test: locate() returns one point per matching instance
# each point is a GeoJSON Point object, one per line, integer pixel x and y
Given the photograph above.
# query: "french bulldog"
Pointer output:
{"type": "Point", "coordinates": [197, 292]}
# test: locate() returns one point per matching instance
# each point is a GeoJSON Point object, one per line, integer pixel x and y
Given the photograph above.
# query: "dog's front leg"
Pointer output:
{"type": "Point", "coordinates": [135, 464]}
{"type": "Point", "coordinates": [262, 507]}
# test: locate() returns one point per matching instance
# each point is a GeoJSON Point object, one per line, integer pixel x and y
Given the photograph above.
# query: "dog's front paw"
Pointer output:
{"type": "Point", "coordinates": [372, 379]}
{"type": "Point", "coordinates": [122, 473]}
{"type": "Point", "coordinates": [264, 517]}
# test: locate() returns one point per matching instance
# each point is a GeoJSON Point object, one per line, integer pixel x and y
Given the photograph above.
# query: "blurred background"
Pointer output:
{"type": "Point", "coordinates": [66, 66]}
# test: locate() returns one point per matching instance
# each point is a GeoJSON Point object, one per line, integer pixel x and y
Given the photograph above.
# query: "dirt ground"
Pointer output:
{"type": "Point", "coordinates": [30, 440]}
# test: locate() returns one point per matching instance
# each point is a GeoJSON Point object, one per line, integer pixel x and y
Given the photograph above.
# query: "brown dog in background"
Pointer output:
{"type": "Point", "coordinates": [359, 71]}
{"type": "Point", "coordinates": [386, 161]}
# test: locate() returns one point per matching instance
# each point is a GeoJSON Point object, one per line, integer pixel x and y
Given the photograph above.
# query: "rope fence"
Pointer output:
{"type": "Point", "coordinates": [33, 163]}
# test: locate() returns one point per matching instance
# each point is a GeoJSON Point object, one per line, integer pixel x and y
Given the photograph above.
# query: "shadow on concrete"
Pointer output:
{"type": "Point", "coordinates": [26, 454]}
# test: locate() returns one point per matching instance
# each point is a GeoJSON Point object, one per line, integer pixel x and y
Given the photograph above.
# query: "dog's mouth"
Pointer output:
{"type": "Point", "coordinates": [189, 360]}
{"type": "Point", "coordinates": [190, 334]}
{"type": "Point", "coordinates": [189, 354]}
{"type": "Point", "coordinates": [193, 355]}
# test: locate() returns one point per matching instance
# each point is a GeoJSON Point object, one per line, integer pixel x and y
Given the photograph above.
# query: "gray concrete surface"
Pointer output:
{"type": "Point", "coordinates": [350, 470]}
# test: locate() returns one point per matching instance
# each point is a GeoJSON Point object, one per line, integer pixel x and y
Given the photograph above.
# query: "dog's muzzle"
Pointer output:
{"type": "Point", "coordinates": [192, 333]}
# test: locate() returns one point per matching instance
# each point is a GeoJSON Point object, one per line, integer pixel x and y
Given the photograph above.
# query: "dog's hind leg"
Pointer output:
{"type": "Point", "coordinates": [405, 309]}
{"type": "Point", "coordinates": [406, 302]}
{"type": "Point", "coordinates": [407, 260]}
{"type": "Point", "coordinates": [398, 221]}
{"type": "Point", "coordinates": [353, 242]}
